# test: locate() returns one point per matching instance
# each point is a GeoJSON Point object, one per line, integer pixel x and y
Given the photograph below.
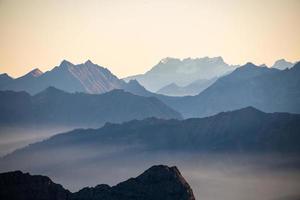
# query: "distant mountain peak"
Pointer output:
{"type": "Point", "coordinates": [89, 62]}
{"type": "Point", "coordinates": [249, 64]}
{"type": "Point", "coordinates": [249, 109]}
{"type": "Point", "coordinates": [5, 78]}
{"type": "Point", "coordinates": [281, 60]}
{"type": "Point", "coordinates": [36, 72]}
{"type": "Point", "coordinates": [282, 64]}
{"type": "Point", "coordinates": [5, 75]}
{"type": "Point", "coordinates": [65, 63]}
{"type": "Point", "coordinates": [33, 73]}
{"type": "Point", "coordinates": [51, 91]}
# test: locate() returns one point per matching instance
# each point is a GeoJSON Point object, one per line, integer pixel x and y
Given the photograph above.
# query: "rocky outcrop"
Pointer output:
{"type": "Point", "coordinates": [20, 186]}
{"type": "Point", "coordinates": [157, 183]}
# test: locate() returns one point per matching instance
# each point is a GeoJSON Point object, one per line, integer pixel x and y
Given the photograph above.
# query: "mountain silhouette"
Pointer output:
{"type": "Point", "coordinates": [56, 107]}
{"type": "Point", "coordinates": [158, 182]}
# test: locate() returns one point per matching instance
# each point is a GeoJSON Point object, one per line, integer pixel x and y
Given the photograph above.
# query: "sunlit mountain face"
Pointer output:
{"type": "Point", "coordinates": [149, 100]}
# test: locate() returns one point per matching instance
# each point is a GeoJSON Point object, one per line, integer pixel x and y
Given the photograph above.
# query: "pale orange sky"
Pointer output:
{"type": "Point", "coordinates": [130, 36]}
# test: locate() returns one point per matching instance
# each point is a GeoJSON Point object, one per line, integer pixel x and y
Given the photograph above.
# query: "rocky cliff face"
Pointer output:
{"type": "Point", "coordinates": [157, 183]}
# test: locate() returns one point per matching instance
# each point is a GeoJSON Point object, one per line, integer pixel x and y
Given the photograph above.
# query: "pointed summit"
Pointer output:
{"type": "Point", "coordinates": [249, 66]}
{"type": "Point", "coordinates": [249, 109]}
{"type": "Point", "coordinates": [51, 91]}
{"type": "Point", "coordinates": [33, 74]}
{"type": "Point", "coordinates": [89, 62]}
{"type": "Point", "coordinates": [65, 63]}
{"type": "Point", "coordinates": [36, 72]}
{"type": "Point", "coordinates": [5, 76]}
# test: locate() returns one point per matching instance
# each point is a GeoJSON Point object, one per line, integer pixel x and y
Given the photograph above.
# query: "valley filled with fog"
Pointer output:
{"type": "Point", "coordinates": [211, 176]}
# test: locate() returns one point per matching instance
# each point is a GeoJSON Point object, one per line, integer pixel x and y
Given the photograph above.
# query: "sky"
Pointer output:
{"type": "Point", "coordinates": [131, 36]}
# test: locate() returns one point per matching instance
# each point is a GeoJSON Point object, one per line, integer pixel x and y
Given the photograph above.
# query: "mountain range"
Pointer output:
{"type": "Point", "coordinates": [268, 89]}
{"type": "Point", "coordinates": [182, 72]}
{"type": "Point", "coordinates": [158, 182]}
{"type": "Point", "coordinates": [243, 131]}
{"type": "Point", "coordinates": [190, 76]}
{"type": "Point", "coordinates": [56, 107]}
{"type": "Point", "coordinates": [86, 77]}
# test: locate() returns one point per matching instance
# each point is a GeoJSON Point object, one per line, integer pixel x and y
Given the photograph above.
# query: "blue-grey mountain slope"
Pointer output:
{"type": "Point", "coordinates": [268, 89]}
{"type": "Point", "coordinates": [86, 77]}
{"type": "Point", "coordinates": [182, 72]}
{"type": "Point", "coordinates": [5, 79]}
{"type": "Point", "coordinates": [243, 131]}
{"type": "Point", "coordinates": [193, 88]}
{"type": "Point", "coordinates": [56, 107]}
{"type": "Point", "coordinates": [282, 64]}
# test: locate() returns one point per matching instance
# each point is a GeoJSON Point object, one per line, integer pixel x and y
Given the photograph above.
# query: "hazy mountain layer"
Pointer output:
{"type": "Point", "coordinates": [182, 72]}
{"type": "Point", "coordinates": [56, 107]}
{"type": "Point", "coordinates": [193, 88]}
{"type": "Point", "coordinates": [268, 89]}
{"type": "Point", "coordinates": [245, 130]}
{"type": "Point", "coordinates": [283, 64]}
{"type": "Point", "coordinates": [230, 150]}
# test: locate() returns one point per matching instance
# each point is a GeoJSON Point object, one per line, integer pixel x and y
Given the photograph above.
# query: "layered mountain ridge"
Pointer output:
{"type": "Point", "coordinates": [56, 107]}
{"type": "Point", "coordinates": [246, 130]}
{"type": "Point", "coordinates": [268, 89]}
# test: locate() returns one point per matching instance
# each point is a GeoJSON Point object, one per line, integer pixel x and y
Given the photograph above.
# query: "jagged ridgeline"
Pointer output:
{"type": "Point", "coordinates": [158, 182]}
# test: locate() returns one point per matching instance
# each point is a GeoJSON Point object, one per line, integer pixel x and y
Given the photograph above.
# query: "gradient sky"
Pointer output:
{"type": "Point", "coordinates": [130, 36]}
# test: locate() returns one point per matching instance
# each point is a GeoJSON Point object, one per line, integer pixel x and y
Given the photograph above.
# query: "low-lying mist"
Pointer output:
{"type": "Point", "coordinates": [212, 176]}
{"type": "Point", "coordinates": [15, 137]}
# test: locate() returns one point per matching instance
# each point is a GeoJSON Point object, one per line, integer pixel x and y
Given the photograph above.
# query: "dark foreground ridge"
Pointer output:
{"type": "Point", "coordinates": [157, 183]}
